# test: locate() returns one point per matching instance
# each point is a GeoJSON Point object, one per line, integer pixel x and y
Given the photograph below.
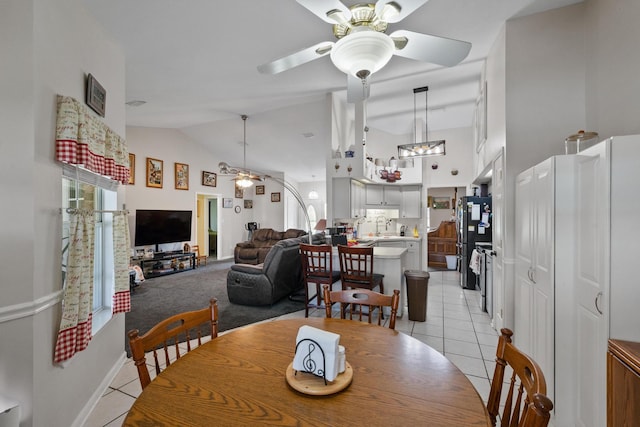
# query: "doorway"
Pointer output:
{"type": "Point", "coordinates": [207, 224]}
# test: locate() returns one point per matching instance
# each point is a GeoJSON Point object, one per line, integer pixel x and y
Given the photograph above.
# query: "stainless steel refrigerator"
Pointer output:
{"type": "Point", "coordinates": [474, 222]}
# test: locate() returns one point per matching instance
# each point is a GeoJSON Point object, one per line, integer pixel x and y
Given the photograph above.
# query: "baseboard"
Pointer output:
{"type": "Point", "coordinates": [95, 397]}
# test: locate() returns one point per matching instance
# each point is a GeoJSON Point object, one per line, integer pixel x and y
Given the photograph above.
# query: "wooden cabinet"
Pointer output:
{"type": "Point", "coordinates": [442, 242]}
{"type": "Point", "coordinates": [383, 195]}
{"type": "Point", "coordinates": [623, 383]}
{"type": "Point", "coordinates": [411, 206]}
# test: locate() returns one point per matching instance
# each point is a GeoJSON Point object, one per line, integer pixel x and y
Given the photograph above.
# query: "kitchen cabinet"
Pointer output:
{"type": "Point", "coordinates": [348, 198]}
{"type": "Point", "coordinates": [411, 206]}
{"type": "Point", "coordinates": [383, 196]}
{"type": "Point", "coordinates": [414, 250]}
{"type": "Point", "coordinates": [576, 276]}
{"type": "Point", "coordinates": [543, 256]}
{"type": "Point", "coordinates": [623, 383]}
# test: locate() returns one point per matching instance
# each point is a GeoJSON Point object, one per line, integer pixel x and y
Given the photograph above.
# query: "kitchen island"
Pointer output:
{"type": "Point", "coordinates": [390, 262]}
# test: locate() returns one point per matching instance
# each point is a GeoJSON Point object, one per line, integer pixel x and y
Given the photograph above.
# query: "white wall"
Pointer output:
{"type": "Point", "coordinates": [47, 48]}
{"type": "Point", "coordinates": [459, 148]}
{"type": "Point", "coordinates": [558, 72]}
{"type": "Point", "coordinates": [170, 146]}
{"type": "Point", "coordinates": [612, 67]}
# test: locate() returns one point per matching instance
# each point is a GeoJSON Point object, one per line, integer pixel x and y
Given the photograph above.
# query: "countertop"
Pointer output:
{"type": "Point", "coordinates": [379, 253]}
{"type": "Point", "coordinates": [367, 239]}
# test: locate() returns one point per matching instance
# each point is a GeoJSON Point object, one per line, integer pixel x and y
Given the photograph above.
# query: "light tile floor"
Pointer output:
{"type": "Point", "coordinates": [455, 326]}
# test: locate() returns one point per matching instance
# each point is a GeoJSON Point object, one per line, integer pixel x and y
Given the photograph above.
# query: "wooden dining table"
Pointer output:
{"type": "Point", "coordinates": [239, 379]}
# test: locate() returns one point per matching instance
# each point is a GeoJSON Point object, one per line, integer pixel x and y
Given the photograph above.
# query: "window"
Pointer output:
{"type": "Point", "coordinates": [82, 195]}
{"type": "Point", "coordinates": [311, 211]}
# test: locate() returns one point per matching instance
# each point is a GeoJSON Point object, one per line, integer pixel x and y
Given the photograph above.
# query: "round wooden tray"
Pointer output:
{"type": "Point", "coordinates": [308, 383]}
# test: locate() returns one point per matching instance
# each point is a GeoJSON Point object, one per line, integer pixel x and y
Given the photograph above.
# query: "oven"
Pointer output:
{"type": "Point", "coordinates": [485, 278]}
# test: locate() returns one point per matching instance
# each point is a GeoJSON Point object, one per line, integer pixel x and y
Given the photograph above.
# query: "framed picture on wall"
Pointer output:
{"type": "Point", "coordinates": [210, 179]}
{"type": "Point", "coordinates": [248, 204]}
{"type": "Point", "coordinates": [182, 176]}
{"type": "Point", "coordinates": [441, 203]}
{"type": "Point", "coordinates": [239, 192]}
{"type": "Point", "coordinates": [259, 189]}
{"type": "Point", "coordinates": [275, 197]}
{"type": "Point", "coordinates": [154, 172]}
{"type": "Point", "coordinates": [132, 169]}
{"type": "Point", "coordinates": [227, 202]}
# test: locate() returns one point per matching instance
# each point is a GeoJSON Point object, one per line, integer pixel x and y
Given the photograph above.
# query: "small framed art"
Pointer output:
{"type": "Point", "coordinates": [248, 204]}
{"type": "Point", "coordinates": [275, 197]}
{"type": "Point", "coordinates": [227, 202]}
{"type": "Point", "coordinates": [154, 172]}
{"type": "Point", "coordinates": [96, 95]}
{"type": "Point", "coordinates": [239, 192]}
{"type": "Point", "coordinates": [132, 169]}
{"type": "Point", "coordinates": [182, 176]}
{"type": "Point", "coordinates": [441, 203]}
{"type": "Point", "coordinates": [209, 179]}
{"type": "Point", "coordinates": [259, 189]}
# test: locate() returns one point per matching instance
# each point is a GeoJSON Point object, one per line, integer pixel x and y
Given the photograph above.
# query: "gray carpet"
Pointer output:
{"type": "Point", "coordinates": [160, 297]}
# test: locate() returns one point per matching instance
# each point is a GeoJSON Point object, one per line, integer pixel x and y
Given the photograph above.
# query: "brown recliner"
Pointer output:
{"type": "Point", "coordinates": [262, 240]}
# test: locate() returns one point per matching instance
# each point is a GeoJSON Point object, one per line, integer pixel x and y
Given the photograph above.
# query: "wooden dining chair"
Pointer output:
{"type": "Point", "coordinates": [526, 403]}
{"type": "Point", "coordinates": [354, 301]}
{"type": "Point", "coordinates": [199, 258]}
{"type": "Point", "coordinates": [317, 268]}
{"type": "Point", "coordinates": [356, 268]}
{"type": "Point", "coordinates": [165, 337]}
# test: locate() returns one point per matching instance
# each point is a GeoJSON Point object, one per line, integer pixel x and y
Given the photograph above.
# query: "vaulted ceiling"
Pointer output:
{"type": "Point", "coordinates": [194, 64]}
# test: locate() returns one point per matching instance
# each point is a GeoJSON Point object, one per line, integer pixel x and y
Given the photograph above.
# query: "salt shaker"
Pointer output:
{"type": "Point", "coordinates": [342, 361]}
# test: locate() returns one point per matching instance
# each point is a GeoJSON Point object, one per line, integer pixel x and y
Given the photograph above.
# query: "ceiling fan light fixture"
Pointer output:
{"type": "Point", "coordinates": [367, 51]}
{"type": "Point", "coordinates": [244, 182]}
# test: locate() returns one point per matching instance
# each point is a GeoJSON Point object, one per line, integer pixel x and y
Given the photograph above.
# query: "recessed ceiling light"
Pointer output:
{"type": "Point", "coordinates": [135, 103]}
{"type": "Point", "coordinates": [308, 135]}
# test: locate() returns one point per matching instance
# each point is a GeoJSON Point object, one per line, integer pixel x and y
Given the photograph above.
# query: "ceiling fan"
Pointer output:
{"type": "Point", "coordinates": [363, 47]}
{"type": "Point", "coordinates": [243, 177]}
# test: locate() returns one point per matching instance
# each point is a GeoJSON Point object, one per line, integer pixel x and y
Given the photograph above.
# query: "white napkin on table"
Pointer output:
{"type": "Point", "coordinates": [309, 357]}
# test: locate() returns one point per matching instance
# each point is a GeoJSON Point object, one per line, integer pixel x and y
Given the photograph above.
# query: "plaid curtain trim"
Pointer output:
{"type": "Point", "coordinates": [72, 340]}
{"type": "Point", "coordinates": [121, 302]}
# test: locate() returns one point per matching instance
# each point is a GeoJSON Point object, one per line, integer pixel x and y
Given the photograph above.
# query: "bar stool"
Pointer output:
{"type": "Point", "coordinates": [356, 268]}
{"type": "Point", "coordinates": [317, 268]}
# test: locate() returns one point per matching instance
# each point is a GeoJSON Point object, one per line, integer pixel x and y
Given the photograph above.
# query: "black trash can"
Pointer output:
{"type": "Point", "coordinates": [417, 284]}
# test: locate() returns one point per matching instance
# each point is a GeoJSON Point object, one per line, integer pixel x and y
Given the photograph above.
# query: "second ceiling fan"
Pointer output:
{"type": "Point", "coordinates": [363, 47]}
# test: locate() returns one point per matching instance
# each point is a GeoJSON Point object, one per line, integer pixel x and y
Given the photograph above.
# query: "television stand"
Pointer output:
{"type": "Point", "coordinates": [166, 263]}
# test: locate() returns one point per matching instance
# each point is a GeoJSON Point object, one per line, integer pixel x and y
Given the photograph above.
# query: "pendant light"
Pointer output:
{"type": "Point", "coordinates": [426, 148]}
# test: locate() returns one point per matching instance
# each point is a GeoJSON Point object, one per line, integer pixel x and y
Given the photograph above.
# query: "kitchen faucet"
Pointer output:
{"type": "Point", "coordinates": [386, 223]}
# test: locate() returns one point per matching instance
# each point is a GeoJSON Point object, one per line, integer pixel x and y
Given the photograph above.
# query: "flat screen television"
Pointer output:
{"type": "Point", "coordinates": [154, 227]}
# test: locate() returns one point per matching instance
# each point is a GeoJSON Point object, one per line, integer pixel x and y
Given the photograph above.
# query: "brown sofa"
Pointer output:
{"type": "Point", "coordinates": [255, 251]}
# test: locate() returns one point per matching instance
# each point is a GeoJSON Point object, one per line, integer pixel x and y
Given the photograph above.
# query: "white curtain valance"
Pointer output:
{"type": "Point", "coordinates": [82, 139]}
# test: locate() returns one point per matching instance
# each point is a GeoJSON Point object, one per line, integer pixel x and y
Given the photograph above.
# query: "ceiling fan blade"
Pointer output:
{"type": "Point", "coordinates": [301, 57]}
{"type": "Point", "coordinates": [331, 11]}
{"type": "Point", "coordinates": [355, 90]}
{"type": "Point", "coordinates": [428, 48]}
{"type": "Point", "coordinates": [396, 11]}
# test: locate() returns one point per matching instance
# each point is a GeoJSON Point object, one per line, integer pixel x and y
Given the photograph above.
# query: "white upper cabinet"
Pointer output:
{"type": "Point", "coordinates": [411, 206]}
{"type": "Point", "coordinates": [383, 195]}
